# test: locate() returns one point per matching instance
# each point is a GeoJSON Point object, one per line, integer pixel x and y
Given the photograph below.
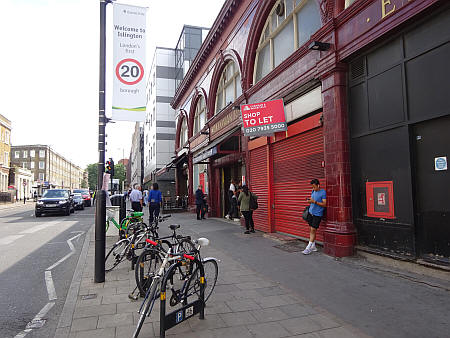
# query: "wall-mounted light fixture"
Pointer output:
{"type": "Point", "coordinates": [317, 45]}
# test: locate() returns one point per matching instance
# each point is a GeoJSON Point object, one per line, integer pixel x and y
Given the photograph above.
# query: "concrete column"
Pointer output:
{"type": "Point", "coordinates": [339, 233]}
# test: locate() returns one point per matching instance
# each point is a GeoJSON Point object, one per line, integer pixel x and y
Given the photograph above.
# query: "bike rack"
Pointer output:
{"type": "Point", "coordinates": [187, 311]}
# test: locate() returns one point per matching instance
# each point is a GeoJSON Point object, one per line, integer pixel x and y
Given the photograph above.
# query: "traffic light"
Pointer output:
{"type": "Point", "coordinates": [110, 167]}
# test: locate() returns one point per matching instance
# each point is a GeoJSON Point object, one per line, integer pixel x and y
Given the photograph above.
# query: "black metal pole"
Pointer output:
{"type": "Point", "coordinates": [100, 215]}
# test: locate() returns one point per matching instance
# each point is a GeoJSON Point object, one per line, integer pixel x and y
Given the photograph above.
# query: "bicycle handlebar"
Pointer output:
{"type": "Point", "coordinates": [172, 254]}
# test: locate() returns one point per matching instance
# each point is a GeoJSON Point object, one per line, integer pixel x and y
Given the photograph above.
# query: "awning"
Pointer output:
{"type": "Point", "coordinates": [170, 165]}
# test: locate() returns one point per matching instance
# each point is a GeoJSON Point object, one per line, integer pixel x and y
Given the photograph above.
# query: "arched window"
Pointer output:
{"type": "Point", "coordinates": [183, 133]}
{"type": "Point", "coordinates": [200, 115]}
{"type": "Point", "coordinates": [229, 88]}
{"type": "Point", "coordinates": [289, 25]}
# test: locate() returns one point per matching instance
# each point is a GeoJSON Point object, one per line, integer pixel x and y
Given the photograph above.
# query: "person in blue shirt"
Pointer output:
{"type": "Point", "coordinates": [154, 202]}
{"type": "Point", "coordinates": [318, 203]}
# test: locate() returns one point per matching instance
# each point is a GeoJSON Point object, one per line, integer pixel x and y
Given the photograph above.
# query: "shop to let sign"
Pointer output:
{"type": "Point", "coordinates": [263, 118]}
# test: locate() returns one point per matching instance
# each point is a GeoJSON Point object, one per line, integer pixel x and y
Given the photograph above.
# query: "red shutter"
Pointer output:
{"type": "Point", "coordinates": [296, 161]}
{"type": "Point", "coordinates": [259, 184]}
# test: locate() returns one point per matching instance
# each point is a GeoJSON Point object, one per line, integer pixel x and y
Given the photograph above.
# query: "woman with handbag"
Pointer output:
{"type": "Point", "coordinates": [248, 203]}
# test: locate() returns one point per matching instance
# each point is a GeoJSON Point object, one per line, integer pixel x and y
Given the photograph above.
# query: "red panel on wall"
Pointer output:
{"type": "Point", "coordinates": [259, 184]}
{"type": "Point", "coordinates": [380, 199]}
{"type": "Point", "coordinates": [296, 160]}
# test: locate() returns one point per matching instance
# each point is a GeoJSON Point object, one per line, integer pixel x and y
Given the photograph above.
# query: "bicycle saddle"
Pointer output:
{"type": "Point", "coordinates": [137, 214]}
{"type": "Point", "coordinates": [174, 226]}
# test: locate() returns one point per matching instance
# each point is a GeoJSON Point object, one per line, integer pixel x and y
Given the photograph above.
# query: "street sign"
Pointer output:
{"type": "Point", "coordinates": [129, 87]}
{"type": "Point", "coordinates": [263, 118]}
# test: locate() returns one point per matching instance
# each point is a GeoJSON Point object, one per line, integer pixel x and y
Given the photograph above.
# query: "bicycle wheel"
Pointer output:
{"type": "Point", "coordinates": [147, 305]}
{"type": "Point", "coordinates": [186, 246]}
{"type": "Point", "coordinates": [116, 254]}
{"type": "Point", "coordinates": [211, 272]}
{"type": "Point", "coordinates": [146, 268]}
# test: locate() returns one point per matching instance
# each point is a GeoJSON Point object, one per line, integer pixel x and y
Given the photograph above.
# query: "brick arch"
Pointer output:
{"type": "Point", "coordinates": [326, 8]}
{"type": "Point", "coordinates": [183, 115]}
{"type": "Point", "coordinates": [226, 56]}
{"type": "Point", "coordinates": [198, 92]}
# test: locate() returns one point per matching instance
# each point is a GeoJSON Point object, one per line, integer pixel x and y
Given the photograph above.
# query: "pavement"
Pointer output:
{"type": "Point", "coordinates": [266, 288]}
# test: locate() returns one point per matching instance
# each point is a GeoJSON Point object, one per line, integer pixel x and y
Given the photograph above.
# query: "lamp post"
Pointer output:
{"type": "Point", "coordinates": [100, 214]}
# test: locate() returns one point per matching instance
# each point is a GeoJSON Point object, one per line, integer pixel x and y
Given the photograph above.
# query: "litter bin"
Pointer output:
{"type": "Point", "coordinates": [119, 201]}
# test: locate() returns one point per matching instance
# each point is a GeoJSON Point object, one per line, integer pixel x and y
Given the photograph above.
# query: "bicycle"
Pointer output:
{"type": "Point", "coordinates": [183, 294]}
{"type": "Point", "coordinates": [124, 247]}
{"type": "Point", "coordinates": [149, 260]}
{"type": "Point", "coordinates": [135, 217]}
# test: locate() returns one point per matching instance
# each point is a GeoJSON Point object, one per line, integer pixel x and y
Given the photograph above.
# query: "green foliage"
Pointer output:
{"type": "Point", "coordinates": [92, 169]}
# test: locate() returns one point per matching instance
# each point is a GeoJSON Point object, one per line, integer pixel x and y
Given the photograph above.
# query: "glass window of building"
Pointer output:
{"type": "Point", "coordinates": [32, 165]}
{"type": "Point", "coordinates": [41, 153]}
{"type": "Point", "coordinates": [17, 154]}
{"type": "Point", "coordinates": [32, 153]}
{"type": "Point", "coordinates": [25, 154]}
{"type": "Point", "coordinates": [289, 26]}
{"type": "Point", "coordinates": [41, 165]}
{"type": "Point", "coordinates": [348, 2]}
{"type": "Point", "coordinates": [6, 158]}
{"type": "Point", "coordinates": [24, 165]}
{"type": "Point", "coordinates": [229, 88]}
{"type": "Point", "coordinates": [183, 133]}
{"type": "Point", "coordinates": [41, 176]}
{"type": "Point", "coordinates": [200, 115]}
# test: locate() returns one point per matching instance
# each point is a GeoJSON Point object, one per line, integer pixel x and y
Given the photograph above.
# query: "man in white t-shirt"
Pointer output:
{"type": "Point", "coordinates": [136, 199]}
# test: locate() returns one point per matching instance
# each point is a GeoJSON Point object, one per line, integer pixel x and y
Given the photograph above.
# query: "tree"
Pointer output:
{"type": "Point", "coordinates": [92, 170]}
{"type": "Point", "coordinates": [119, 172]}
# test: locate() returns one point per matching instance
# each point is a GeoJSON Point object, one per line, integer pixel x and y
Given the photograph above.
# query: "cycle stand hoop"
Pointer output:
{"type": "Point", "coordinates": [167, 321]}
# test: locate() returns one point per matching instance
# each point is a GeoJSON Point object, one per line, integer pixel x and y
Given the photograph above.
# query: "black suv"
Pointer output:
{"type": "Point", "coordinates": [55, 201]}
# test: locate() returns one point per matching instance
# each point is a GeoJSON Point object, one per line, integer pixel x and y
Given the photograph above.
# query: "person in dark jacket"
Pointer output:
{"type": "Point", "coordinates": [154, 202]}
{"type": "Point", "coordinates": [200, 203]}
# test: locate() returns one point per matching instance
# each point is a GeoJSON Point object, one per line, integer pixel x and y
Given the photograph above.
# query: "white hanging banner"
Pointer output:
{"type": "Point", "coordinates": [129, 35]}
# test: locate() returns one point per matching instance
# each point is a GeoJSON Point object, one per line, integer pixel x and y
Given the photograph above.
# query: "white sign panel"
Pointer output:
{"type": "Point", "coordinates": [129, 35]}
{"type": "Point", "coordinates": [440, 163]}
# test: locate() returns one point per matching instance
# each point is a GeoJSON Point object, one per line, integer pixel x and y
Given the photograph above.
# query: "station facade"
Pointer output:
{"type": "Point", "coordinates": [364, 84]}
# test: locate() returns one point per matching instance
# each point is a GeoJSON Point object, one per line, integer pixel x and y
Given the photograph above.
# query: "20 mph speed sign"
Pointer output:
{"type": "Point", "coordinates": [129, 71]}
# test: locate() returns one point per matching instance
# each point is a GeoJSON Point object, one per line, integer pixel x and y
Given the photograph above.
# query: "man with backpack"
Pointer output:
{"type": "Point", "coordinates": [318, 202]}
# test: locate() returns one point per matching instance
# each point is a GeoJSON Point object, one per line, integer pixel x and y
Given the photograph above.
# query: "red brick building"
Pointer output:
{"type": "Point", "coordinates": [356, 93]}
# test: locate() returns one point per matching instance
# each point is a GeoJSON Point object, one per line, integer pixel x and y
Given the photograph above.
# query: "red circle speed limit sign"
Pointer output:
{"type": "Point", "coordinates": [129, 71]}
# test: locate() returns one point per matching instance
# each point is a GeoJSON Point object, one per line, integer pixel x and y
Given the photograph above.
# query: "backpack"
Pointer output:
{"type": "Point", "coordinates": [253, 204]}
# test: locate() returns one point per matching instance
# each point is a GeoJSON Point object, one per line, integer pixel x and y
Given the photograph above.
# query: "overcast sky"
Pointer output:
{"type": "Point", "coordinates": [49, 73]}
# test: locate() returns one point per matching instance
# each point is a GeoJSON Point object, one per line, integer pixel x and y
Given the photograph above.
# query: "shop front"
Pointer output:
{"type": "Point", "coordinates": [400, 141]}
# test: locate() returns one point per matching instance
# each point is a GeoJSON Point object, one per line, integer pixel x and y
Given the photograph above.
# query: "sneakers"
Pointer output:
{"type": "Point", "coordinates": [253, 230]}
{"type": "Point", "coordinates": [307, 251]}
{"type": "Point", "coordinates": [236, 220]}
{"type": "Point", "coordinates": [313, 249]}
{"type": "Point", "coordinates": [227, 216]}
{"type": "Point", "coordinates": [246, 232]}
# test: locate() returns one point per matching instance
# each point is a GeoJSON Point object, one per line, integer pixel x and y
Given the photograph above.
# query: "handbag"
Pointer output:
{"type": "Point", "coordinates": [305, 213]}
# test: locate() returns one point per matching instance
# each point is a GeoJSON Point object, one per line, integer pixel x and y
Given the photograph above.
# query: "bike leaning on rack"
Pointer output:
{"type": "Point", "coordinates": [195, 280]}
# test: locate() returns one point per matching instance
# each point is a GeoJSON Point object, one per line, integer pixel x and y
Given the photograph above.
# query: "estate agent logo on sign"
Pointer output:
{"type": "Point", "coordinates": [129, 97]}
{"type": "Point", "coordinates": [263, 118]}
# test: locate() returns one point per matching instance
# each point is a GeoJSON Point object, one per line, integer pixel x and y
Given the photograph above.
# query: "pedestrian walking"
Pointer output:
{"type": "Point", "coordinates": [136, 199]}
{"type": "Point", "coordinates": [145, 197]}
{"type": "Point", "coordinates": [231, 191]}
{"type": "Point", "coordinates": [318, 203]}
{"type": "Point", "coordinates": [234, 207]}
{"type": "Point", "coordinates": [154, 203]}
{"type": "Point", "coordinates": [246, 199]}
{"type": "Point", "coordinates": [200, 203]}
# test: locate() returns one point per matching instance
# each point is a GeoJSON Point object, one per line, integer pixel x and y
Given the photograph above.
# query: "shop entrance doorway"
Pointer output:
{"type": "Point", "coordinates": [432, 151]}
{"type": "Point", "coordinates": [227, 174]}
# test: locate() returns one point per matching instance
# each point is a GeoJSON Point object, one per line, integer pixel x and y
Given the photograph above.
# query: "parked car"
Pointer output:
{"type": "Point", "coordinates": [78, 201]}
{"type": "Point", "coordinates": [55, 201]}
{"type": "Point", "coordinates": [86, 196]}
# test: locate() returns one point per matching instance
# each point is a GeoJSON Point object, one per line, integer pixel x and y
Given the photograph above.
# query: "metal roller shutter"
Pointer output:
{"type": "Point", "coordinates": [296, 161]}
{"type": "Point", "coordinates": [259, 185]}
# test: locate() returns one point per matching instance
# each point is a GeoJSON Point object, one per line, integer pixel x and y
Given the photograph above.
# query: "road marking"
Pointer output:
{"type": "Point", "coordinates": [9, 239]}
{"type": "Point", "coordinates": [50, 285]}
{"type": "Point", "coordinates": [39, 227]}
{"type": "Point", "coordinates": [72, 251]}
{"type": "Point", "coordinates": [37, 318]}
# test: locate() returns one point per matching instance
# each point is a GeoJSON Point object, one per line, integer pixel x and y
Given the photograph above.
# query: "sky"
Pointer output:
{"type": "Point", "coordinates": [50, 66]}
